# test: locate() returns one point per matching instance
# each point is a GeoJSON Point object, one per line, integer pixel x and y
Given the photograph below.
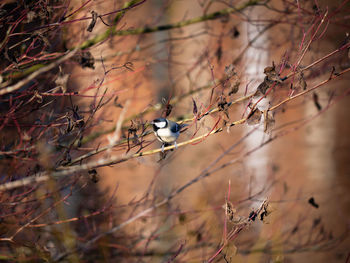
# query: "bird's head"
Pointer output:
{"type": "Point", "coordinates": [159, 123]}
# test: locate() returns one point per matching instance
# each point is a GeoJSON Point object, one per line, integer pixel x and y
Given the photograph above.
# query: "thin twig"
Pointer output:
{"type": "Point", "coordinates": [38, 72]}
{"type": "Point", "coordinates": [64, 171]}
{"type": "Point", "coordinates": [334, 76]}
{"type": "Point", "coordinates": [145, 30]}
{"type": "Point", "coordinates": [118, 126]}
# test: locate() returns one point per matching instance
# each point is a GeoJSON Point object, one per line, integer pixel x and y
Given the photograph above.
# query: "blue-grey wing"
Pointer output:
{"type": "Point", "coordinates": [175, 128]}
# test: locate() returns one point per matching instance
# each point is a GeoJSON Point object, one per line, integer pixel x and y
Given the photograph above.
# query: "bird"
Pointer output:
{"type": "Point", "coordinates": [166, 131]}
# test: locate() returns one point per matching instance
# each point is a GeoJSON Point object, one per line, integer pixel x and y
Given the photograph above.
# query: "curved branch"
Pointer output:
{"type": "Point", "coordinates": [144, 30]}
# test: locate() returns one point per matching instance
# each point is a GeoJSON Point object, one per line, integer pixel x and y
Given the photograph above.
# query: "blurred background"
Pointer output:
{"type": "Point", "coordinates": [268, 186]}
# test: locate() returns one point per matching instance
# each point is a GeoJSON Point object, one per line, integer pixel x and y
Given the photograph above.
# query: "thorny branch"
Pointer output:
{"type": "Point", "coordinates": [64, 171]}
{"type": "Point", "coordinates": [208, 171]}
{"type": "Point", "coordinates": [36, 73]}
{"type": "Point", "coordinates": [76, 166]}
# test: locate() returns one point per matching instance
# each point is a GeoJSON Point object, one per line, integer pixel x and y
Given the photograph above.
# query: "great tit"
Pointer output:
{"type": "Point", "coordinates": [166, 131]}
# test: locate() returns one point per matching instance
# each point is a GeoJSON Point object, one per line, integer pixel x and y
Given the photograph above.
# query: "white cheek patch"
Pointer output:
{"type": "Point", "coordinates": [160, 125]}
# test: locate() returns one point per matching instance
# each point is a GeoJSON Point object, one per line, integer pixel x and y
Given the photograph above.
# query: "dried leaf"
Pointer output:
{"type": "Point", "coordinates": [265, 211]}
{"type": "Point", "coordinates": [79, 120]}
{"type": "Point", "coordinates": [26, 136]}
{"type": "Point", "coordinates": [285, 187]}
{"type": "Point", "coordinates": [263, 86]}
{"type": "Point", "coordinates": [230, 71]}
{"type": "Point", "coordinates": [70, 126]}
{"type": "Point", "coordinates": [93, 21]}
{"type": "Point", "coordinates": [316, 10]}
{"type": "Point", "coordinates": [85, 59]}
{"type": "Point", "coordinates": [271, 74]}
{"type": "Point", "coordinates": [316, 101]}
{"type": "Point", "coordinates": [41, 34]}
{"type": "Point", "coordinates": [303, 84]}
{"type": "Point", "coordinates": [66, 158]}
{"type": "Point", "coordinates": [330, 236]}
{"type": "Point", "coordinates": [94, 176]}
{"type": "Point", "coordinates": [45, 155]}
{"type": "Point", "coordinates": [275, 168]}
{"type": "Point", "coordinates": [62, 81]}
{"type": "Point", "coordinates": [234, 88]}
{"type": "Point", "coordinates": [30, 16]}
{"type": "Point", "coordinates": [269, 122]}
{"type": "Point", "coordinates": [313, 202]}
{"type": "Point", "coordinates": [195, 109]}
{"type": "Point", "coordinates": [235, 32]}
{"type": "Point", "coordinates": [230, 211]}
{"type": "Point", "coordinates": [270, 71]}
{"type": "Point", "coordinates": [182, 218]}
{"type": "Point", "coordinates": [218, 53]}
{"type": "Point", "coordinates": [252, 215]}
{"type": "Point", "coordinates": [254, 117]}
{"type": "Point", "coordinates": [316, 222]}
{"type": "Point", "coordinates": [230, 251]}
{"type": "Point", "coordinates": [168, 109]}
{"type": "Point", "coordinates": [162, 156]}
{"type": "Point", "coordinates": [199, 237]}
{"type": "Point", "coordinates": [301, 81]}
{"type": "Point", "coordinates": [132, 129]}
{"type": "Point", "coordinates": [116, 103]}
{"type": "Point", "coordinates": [11, 55]}
{"type": "Point", "coordinates": [295, 229]}
{"type": "Point", "coordinates": [222, 104]}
